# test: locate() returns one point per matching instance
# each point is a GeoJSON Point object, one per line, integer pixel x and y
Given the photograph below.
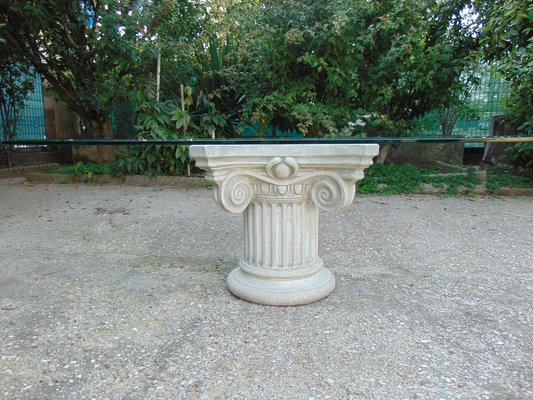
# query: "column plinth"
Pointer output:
{"type": "Point", "coordinates": [279, 189]}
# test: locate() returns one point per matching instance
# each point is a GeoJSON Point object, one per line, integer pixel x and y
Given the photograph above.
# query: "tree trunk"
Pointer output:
{"type": "Point", "coordinates": [101, 129]}
{"type": "Point", "coordinates": [9, 155]}
{"type": "Point", "coordinates": [100, 154]}
{"type": "Point", "coordinates": [383, 153]}
{"type": "Point", "coordinates": [495, 152]}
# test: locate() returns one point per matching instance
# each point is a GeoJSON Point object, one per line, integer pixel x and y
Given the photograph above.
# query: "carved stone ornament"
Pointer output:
{"type": "Point", "coordinates": [279, 189]}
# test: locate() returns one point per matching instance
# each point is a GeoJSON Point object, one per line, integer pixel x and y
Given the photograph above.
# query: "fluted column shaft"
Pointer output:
{"type": "Point", "coordinates": [280, 236]}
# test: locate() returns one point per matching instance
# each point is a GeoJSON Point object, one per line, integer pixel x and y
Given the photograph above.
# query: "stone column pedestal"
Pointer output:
{"type": "Point", "coordinates": [279, 189]}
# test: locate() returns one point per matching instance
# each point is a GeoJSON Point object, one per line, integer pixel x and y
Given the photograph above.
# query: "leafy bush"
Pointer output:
{"type": "Point", "coordinates": [154, 160]}
{"type": "Point", "coordinates": [310, 65]}
{"type": "Point", "coordinates": [521, 154]}
{"type": "Point", "coordinates": [155, 122]}
{"type": "Point", "coordinates": [168, 120]}
{"type": "Point", "coordinates": [506, 37]}
{"type": "Point", "coordinates": [215, 64]}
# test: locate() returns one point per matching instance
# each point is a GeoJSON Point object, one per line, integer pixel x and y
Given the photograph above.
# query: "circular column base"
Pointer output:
{"type": "Point", "coordinates": [281, 292]}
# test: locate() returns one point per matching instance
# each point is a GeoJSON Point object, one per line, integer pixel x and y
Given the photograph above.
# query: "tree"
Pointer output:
{"type": "Point", "coordinates": [16, 82]}
{"type": "Point", "coordinates": [315, 65]}
{"type": "Point", "coordinates": [507, 40]}
{"type": "Point", "coordinates": [91, 52]}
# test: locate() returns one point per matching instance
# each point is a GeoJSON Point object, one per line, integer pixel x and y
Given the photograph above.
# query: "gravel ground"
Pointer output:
{"type": "Point", "coordinates": [110, 292]}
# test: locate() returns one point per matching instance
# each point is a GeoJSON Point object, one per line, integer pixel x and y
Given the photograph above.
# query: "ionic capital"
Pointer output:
{"type": "Point", "coordinates": [325, 174]}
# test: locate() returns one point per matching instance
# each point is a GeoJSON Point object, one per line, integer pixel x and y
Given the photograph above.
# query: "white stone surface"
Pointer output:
{"type": "Point", "coordinates": [279, 189]}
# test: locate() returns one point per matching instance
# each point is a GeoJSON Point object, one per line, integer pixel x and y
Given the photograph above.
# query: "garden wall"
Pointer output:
{"type": "Point", "coordinates": [425, 154]}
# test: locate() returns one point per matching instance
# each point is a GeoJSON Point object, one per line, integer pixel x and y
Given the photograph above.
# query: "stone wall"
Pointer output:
{"type": "Point", "coordinates": [425, 154]}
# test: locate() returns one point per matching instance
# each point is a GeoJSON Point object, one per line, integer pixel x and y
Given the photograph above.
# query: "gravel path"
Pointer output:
{"type": "Point", "coordinates": [110, 292]}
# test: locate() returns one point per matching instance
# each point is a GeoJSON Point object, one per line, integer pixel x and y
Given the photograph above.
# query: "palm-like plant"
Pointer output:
{"type": "Point", "coordinates": [214, 74]}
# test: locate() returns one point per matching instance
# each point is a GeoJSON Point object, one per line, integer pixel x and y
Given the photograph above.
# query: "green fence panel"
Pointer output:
{"type": "Point", "coordinates": [31, 122]}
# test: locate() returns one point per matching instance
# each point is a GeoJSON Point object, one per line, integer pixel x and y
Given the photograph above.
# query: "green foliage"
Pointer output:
{"type": "Point", "coordinates": [95, 53]}
{"type": "Point", "coordinates": [215, 64]}
{"type": "Point", "coordinates": [153, 160]}
{"type": "Point", "coordinates": [168, 120]}
{"type": "Point", "coordinates": [347, 131]}
{"type": "Point", "coordinates": [85, 172]}
{"type": "Point", "coordinates": [392, 179]}
{"type": "Point", "coordinates": [201, 66]}
{"type": "Point", "coordinates": [386, 179]}
{"type": "Point", "coordinates": [311, 65]}
{"type": "Point", "coordinates": [209, 118]}
{"type": "Point", "coordinates": [508, 41]}
{"type": "Point", "coordinates": [16, 83]}
{"type": "Point", "coordinates": [521, 154]}
{"type": "Point", "coordinates": [156, 121]}
{"type": "Point", "coordinates": [498, 177]}
{"type": "Point", "coordinates": [81, 169]}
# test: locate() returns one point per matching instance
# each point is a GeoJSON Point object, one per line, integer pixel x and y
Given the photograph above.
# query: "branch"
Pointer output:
{"type": "Point", "coordinates": [69, 38]}
{"type": "Point", "coordinates": [60, 83]}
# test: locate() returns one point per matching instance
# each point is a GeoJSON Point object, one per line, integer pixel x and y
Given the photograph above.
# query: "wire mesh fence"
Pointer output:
{"type": "Point", "coordinates": [31, 121]}
{"type": "Point", "coordinates": [485, 100]}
